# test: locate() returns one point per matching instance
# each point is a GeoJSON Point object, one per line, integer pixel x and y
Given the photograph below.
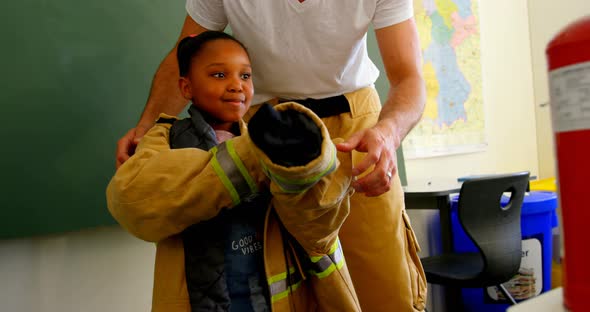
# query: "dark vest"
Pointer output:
{"type": "Point", "coordinates": [204, 242]}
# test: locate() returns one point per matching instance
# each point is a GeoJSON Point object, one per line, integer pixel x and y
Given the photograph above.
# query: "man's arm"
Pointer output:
{"type": "Point", "coordinates": [165, 96]}
{"type": "Point", "coordinates": [400, 50]}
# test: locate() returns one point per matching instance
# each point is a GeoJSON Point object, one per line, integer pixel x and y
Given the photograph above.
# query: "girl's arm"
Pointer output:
{"type": "Point", "coordinates": [161, 191]}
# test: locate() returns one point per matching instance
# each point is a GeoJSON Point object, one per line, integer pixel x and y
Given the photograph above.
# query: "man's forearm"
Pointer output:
{"type": "Point", "coordinates": [165, 96]}
{"type": "Point", "coordinates": [403, 108]}
{"type": "Point", "coordinates": [400, 50]}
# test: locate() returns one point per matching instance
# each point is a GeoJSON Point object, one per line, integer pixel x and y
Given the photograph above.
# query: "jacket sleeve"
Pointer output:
{"type": "Point", "coordinates": [161, 191]}
{"type": "Point", "coordinates": [312, 200]}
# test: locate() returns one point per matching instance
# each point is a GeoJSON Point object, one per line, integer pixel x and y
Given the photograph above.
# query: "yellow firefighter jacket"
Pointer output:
{"type": "Point", "coordinates": [160, 191]}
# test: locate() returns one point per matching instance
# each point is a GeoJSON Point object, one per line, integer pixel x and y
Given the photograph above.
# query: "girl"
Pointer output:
{"type": "Point", "coordinates": [201, 188]}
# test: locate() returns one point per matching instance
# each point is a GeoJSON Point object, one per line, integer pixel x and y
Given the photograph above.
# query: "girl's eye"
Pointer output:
{"type": "Point", "coordinates": [246, 76]}
{"type": "Point", "coordinates": [219, 75]}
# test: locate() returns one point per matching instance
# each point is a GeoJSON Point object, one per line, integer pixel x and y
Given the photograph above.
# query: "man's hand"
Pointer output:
{"type": "Point", "coordinates": [380, 149]}
{"type": "Point", "coordinates": [126, 145]}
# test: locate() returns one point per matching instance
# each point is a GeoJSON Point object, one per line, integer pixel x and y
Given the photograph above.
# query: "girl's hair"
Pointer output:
{"type": "Point", "coordinates": [191, 45]}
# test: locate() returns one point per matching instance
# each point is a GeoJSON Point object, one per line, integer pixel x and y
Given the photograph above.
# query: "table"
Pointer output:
{"type": "Point", "coordinates": [434, 195]}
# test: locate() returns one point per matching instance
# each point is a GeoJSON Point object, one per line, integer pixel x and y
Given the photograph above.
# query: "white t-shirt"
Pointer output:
{"type": "Point", "coordinates": [314, 49]}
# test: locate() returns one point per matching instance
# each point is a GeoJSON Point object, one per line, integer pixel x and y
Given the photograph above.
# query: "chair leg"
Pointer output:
{"type": "Point", "coordinates": [453, 299]}
{"type": "Point", "coordinates": [506, 293]}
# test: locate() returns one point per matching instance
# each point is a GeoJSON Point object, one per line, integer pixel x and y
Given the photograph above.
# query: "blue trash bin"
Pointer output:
{"type": "Point", "coordinates": [538, 218]}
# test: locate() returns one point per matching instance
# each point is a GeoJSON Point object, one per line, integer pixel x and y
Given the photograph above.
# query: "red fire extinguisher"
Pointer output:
{"type": "Point", "coordinates": [568, 56]}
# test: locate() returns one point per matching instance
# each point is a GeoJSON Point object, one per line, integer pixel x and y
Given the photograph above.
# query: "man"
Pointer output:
{"type": "Point", "coordinates": [314, 52]}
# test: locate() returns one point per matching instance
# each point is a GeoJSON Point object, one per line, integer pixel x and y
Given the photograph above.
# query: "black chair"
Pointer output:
{"type": "Point", "coordinates": [495, 231]}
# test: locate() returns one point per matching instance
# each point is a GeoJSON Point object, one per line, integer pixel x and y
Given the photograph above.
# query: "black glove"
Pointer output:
{"type": "Point", "coordinates": [288, 138]}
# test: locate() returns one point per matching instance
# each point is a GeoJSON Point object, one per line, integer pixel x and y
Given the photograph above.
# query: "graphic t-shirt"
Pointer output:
{"type": "Point", "coordinates": [244, 258]}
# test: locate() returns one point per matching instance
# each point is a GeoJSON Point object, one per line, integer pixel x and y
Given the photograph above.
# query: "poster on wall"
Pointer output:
{"type": "Point", "coordinates": [453, 120]}
{"type": "Point", "coordinates": [528, 282]}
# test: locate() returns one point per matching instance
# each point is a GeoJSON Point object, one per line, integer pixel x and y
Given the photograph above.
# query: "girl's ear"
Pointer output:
{"type": "Point", "coordinates": [185, 88]}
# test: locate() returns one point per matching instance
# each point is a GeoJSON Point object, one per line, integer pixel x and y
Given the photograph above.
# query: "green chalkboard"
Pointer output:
{"type": "Point", "coordinates": [75, 77]}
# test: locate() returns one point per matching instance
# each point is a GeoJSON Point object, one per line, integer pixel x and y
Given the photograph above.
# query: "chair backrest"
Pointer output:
{"type": "Point", "coordinates": [494, 229]}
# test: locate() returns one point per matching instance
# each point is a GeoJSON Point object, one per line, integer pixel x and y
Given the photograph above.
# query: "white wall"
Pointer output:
{"type": "Point", "coordinates": [547, 18]}
{"type": "Point", "coordinates": [99, 270]}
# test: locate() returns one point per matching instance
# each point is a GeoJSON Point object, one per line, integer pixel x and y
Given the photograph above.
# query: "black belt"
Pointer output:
{"type": "Point", "coordinates": [325, 107]}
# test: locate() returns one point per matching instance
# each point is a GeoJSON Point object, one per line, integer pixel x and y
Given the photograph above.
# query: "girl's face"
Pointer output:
{"type": "Point", "coordinates": [219, 82]}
